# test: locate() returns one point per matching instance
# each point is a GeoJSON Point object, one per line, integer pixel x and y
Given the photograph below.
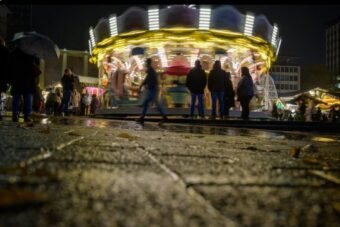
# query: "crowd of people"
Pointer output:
{"type": "Point", "coordinates": [65, 101]}
{"type": "Point", "coordinates": [23, 83]}
{"type": "Point", "coordinates": [69, 101]}
{"type": "Point", "coordinates": [219, 84]}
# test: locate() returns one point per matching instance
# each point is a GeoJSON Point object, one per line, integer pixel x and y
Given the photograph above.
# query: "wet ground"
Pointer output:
{"type": "Point", "coordinates": [92, 172]}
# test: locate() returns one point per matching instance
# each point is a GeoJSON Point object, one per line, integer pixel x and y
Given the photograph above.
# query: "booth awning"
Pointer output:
{"type": "Point", "coordinates": [88, 80]}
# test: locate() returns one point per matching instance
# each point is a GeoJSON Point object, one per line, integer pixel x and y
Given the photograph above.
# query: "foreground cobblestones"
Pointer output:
{"type": "Point", "coordinates": [86, 172]}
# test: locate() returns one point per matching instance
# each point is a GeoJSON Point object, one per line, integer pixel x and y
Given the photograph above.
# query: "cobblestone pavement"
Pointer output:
{"type": "Point", "coordinates": [91, 172]}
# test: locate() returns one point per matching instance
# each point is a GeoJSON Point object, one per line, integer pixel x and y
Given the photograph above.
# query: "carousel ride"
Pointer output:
{"type": "Point", "coordinates": [175, 37]}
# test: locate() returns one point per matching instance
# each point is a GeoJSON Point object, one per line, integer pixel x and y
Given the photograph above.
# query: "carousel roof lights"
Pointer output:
{"type": "Point", "coordinates": [113, 25]}
{"type": "Point", "coordinates": [204, 19]}
{"type": "Point", "coordinates": [278, 47]}
{"type": "Point", "coordinates": [274, 35]}
{"type": "Point", "coordinates": [90, 47]}
{"type": "Point", "coordinates": [153, 15]}
{"type": "Point", "coordinates": [93, 42]}
{"type": "Point", "coordinates": [249, 24]}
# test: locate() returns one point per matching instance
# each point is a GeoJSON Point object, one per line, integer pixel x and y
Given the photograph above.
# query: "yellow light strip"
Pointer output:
{"type": "Point", "coordinates": [195, 38]}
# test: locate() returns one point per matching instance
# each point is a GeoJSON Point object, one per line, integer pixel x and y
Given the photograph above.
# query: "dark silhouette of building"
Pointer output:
{"type": "Point", "coordinates": [333, 50]}
{"type": "Point", "coordinates": [13, 19]}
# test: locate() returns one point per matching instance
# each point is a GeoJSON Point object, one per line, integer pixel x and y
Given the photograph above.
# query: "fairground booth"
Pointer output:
{"type": "Point", "coordinates": [175, 37]}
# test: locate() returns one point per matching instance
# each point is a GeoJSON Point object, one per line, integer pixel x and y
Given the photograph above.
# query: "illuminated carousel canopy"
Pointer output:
{"type": "Point", "coordinates": [222, 28]}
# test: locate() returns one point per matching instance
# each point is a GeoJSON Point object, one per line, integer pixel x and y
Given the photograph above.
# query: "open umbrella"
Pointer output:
{"type": "Point", "coordinates": [177, 70]}
{"type": "Point", "coordinates": [37, 45]}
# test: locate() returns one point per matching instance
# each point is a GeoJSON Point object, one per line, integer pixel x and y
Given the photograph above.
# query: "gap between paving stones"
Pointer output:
{"type": "Point", "coordinates": [192, 192]}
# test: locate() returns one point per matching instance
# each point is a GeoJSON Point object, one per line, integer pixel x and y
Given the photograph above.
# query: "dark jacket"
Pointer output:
{"type": "Point", "coordinates": [4, 60]}
{"type": "Point", "coordinates": [217, 80]}
{"type": "Point", "coordinates": [22, 73]}
{"type": "Point", "coordinates": [196, 80]}
{"type": "Point", "coordinates": [245, 87]}
{"type": "Point", "coordinates": [151, 79]}
{"type": "Point", "coordinates": [68, 82]}
{"type": "Point", "coordinates": [229, 93]}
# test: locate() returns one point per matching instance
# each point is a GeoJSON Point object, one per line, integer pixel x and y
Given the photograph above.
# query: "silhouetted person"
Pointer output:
{"type": "Point", "coordinates": [275, 113]}
{"type": "Point", "coordinates": [245, 92]}
{"type": "Point", "coordinates": [67, 82]}
{"type": "Point", "coordinates": [196, 81]}
{"type": "Point", "coordinates": [229, 95]}
{"type": "Point", "coordinates": [216, 84]}
{"type": "Point", "coordinates": [302, 109]}
{"type": "Point", "coordinates": [24, 72]}
{"type": "Point", "coordinates": [94, 104]}
{"type": "Point", "coordinates": [151, 84]}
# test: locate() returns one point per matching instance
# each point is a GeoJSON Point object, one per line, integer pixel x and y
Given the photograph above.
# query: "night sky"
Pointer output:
{"type": "Point", "coordinates": [302, 27]}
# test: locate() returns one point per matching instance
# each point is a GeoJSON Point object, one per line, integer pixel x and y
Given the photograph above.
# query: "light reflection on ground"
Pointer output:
{"type": "Point", "coordinates": [210, 130]}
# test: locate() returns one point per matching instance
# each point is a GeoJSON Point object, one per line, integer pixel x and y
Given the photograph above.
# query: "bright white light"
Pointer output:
{"type": "Point", "coordinates": [204, 20]}
{"type": "Point", "coordinates": [162, 56]}
{"type": "Point", "coordinates": [278, 47]}
{"type": "Point", "coordinates": [193, 58]}
{"type": "Point", "coordinates": [249, 24]}
{"type": "Point", "coordinates": [274, 35]}
{"type": "Point", "coordinates": [113, 25]}
{"type": "Point", "coordinates": [153, 15]}
{"type": "Point", "coordinates": [93, 42]}
{"type": "Point", "coordinates": [90, 47]}
{"type": "Point", "coordinates": [138, 62]}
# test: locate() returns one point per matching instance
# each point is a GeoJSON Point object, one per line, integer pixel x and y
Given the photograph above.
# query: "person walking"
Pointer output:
{"type": "Point", "coordinates": [196, 81]}
{"type": "Point", "coordinates": [216, 84]}
{"type": "Point", "coordinates": [23, 76]}
{"type": "Point", "coordinates": [229, 94]}
{"type": "Point", "coordinates": [75, 101]}
{"type": "Point", "coordinates": [245, 92]}
{"type": "Point", "coordinates": [151, 84]}
{"type": "Point", "coordinates": [67, 82]}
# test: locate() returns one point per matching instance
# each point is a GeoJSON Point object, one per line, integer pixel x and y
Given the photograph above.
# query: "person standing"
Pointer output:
{"type": "Point", "coordinates": [75, 101]}
{"type": "Point", "coordinates": [24, 72]}
{"type": "Point", "coordinates": [58, 97]}
{"type": "Point", "coordinates": [196, 81]}
{"type": "Point", "coordinates": [87, 102]}
{"type": "Point", "coordinates": [4, 58]}
{"type": "Point", "coordinates": [245, 92]}
{"type": "Point", "coordinates": [94, 104]}
{"type": "Point", "coordinates": [216, 84]}
{"type": "Point", "coordinates": [229, 94]}
{"type": "Point", "coordinates": [151, 84]}
{"type": "Point", "coordinates": [67, 82]}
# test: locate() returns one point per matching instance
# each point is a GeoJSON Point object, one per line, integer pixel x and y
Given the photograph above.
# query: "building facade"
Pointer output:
{"type": "Point", "coordinates": [19, 20]}
{"type": "Point", "coordinates": [333, 50]}
{"type": "Point", "coordinates": [78, 61]}
{"type": "Point", "coordinates": [286, 74]}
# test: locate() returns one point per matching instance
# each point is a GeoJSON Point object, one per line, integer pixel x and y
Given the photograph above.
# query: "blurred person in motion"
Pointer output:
{"type": "Point", "coordinates": [151, 84]}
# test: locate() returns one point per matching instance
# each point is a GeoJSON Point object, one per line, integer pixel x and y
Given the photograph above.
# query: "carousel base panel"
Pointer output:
{"type": "Point", "coordinates": [135, 111]}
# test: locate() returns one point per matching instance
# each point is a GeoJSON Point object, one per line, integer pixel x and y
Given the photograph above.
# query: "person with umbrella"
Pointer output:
{"type": "Point", "coordinates": [24, 68]}
{"type": "Point", "coordinates": [24, 72]}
